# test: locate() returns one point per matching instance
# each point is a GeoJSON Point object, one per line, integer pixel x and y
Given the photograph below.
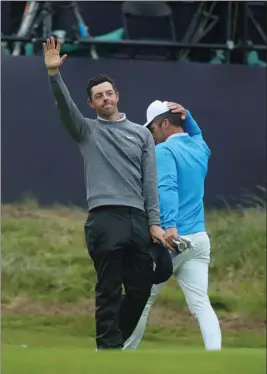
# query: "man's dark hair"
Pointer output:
{"type": "Point", "coordinates": [98, 79]}
{"type": "Point", "coordinates": [174, 119]}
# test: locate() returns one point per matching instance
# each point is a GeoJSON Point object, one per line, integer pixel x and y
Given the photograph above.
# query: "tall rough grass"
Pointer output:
{"type": "Point", "coordinates": [44, 255]}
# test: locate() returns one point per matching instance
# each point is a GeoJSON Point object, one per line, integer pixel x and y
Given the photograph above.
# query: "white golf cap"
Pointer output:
{"type": "Point", "coordinates": [155, 109]}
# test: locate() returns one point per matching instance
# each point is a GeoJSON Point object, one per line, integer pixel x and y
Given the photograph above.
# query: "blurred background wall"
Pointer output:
{"type": "Point", "coordinates": [225, 88]}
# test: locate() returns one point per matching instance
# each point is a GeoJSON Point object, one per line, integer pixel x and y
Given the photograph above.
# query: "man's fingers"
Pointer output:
{"type": "Point", "coordinates": [44, 47]}
{"type": "Point", "coordinates": [155, 240]}
{"type": "Point", "coordinates": [174, 109]}
{"type": "Point", "coordinates": [63, 58]}
{"type": "Point", "coordinates": [177, 108]}
{"type": "Point", "coordinates": [165, 244]}
{"type": "Point", "coordinates": [169, 241]}
{"type": "Point", "coordinates": [52, 41]}
{"type": "Point", "coordinates": [171, 103]}
{"type": "Point", "coordinates": [159, 240]}
{"type": "Point", "coordinates": [58, 45]}
{"type": "Point", "coordinates": [169, 246]}
{"type": "Point", "coordinates": [48, 44]}
{"type": "Point", "coordinates": [162, 241]}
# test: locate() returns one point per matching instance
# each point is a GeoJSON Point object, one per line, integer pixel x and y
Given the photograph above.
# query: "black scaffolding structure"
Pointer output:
{"type": "Point", "coordinates": [204, 19]}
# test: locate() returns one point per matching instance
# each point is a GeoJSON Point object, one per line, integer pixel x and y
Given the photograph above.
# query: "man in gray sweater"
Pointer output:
{"type": "Point", "coordinates": [121, 185]}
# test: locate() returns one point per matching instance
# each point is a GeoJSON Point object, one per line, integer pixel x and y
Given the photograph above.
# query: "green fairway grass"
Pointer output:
{"type": "Point", "coordinates": [48, 300]}
{"type": "Point", "coordinates": [151, 361]}
{"type": "Point", "coordinates": [79, 332]}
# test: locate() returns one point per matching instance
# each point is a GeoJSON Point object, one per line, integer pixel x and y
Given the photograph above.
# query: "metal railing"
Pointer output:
{"type": "Point", "coordinates": [138, 44]}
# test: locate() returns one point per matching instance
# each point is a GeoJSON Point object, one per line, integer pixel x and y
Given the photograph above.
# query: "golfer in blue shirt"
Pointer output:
{"type": "Point", "coordinates": [182, 163]}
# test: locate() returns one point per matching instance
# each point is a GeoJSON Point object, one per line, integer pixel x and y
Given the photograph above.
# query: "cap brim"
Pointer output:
{"type": "Point", "coordinates": [147, 124]}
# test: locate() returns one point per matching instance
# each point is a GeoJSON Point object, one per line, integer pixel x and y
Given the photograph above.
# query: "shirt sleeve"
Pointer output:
{"type": "Point", "coordinates": [149, 176]}
{"type": "Point", "coordinates": [191, 126]}
{"type": "Point", "coordinates": [167, 187]}
{"type": "Point", "coordinates": [194, 131]}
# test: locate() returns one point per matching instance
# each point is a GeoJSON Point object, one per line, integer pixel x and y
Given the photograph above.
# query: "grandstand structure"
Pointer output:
{"type": "Point", "coordinates": [213, 32]}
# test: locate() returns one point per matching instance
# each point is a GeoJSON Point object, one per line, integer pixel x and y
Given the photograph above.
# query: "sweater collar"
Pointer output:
{"type": "Point", "coordinates": [123, 118]}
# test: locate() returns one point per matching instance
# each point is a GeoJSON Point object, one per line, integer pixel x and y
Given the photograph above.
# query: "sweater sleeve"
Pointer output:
{"type": "Point", "coordinates": [149, 176]}
{"type": "Point", "coordinates": [191, 126]}
{"type": "Point", "coordinates": [73, 120]}
{"type": "Point", "coordinates": [167, 187]}
{"type": "Point", "coordinates": [194, 131]}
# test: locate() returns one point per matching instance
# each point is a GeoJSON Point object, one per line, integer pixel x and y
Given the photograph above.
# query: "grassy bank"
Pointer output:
{"type": "Point", "coordinates": [48, 278]}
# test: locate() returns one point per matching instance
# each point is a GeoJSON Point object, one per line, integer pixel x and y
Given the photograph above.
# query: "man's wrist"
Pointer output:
{"type": "Point", "coordinates": [170, 226]}
{"type": "Point", "coordinates": [154, 224]}
{"type": "Point", "coordinates": [52, 72]}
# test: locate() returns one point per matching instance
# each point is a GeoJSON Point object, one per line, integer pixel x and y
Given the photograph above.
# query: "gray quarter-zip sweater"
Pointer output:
{"type": "Point", "coordinates": [119, 157]}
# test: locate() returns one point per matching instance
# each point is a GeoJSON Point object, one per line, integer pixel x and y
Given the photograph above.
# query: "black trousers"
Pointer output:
{"type": "Point", "coordinates": [117, 239]}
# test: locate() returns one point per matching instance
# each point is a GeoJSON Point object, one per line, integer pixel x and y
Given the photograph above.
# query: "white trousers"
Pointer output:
{"type": "Point", "coordinates": [190, 269]}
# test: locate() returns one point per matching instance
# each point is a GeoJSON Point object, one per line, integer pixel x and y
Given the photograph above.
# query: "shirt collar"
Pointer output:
{"type": "Point", "coordinates": [179, 134]}
{"type": "Point", "coordinates": [123, 118]}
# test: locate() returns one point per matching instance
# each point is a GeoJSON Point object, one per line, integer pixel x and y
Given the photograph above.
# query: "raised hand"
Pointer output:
{"type": "Point", "coordinates": [177, 108]}
{"type": "Point", "coordinates": [52, 57]}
